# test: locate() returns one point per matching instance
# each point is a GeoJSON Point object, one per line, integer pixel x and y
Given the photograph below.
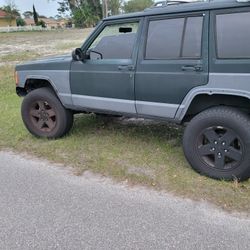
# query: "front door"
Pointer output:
{"type": "Point", "coordinates": [105, 81]}
{"type": "Point", "coordinates": [172, 60]}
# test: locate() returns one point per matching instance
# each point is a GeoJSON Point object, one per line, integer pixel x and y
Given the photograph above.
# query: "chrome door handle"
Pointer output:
{"type": "Point", "coordinates": [192, 68]}
{"type": "Point", "coordinates": [126, 67]}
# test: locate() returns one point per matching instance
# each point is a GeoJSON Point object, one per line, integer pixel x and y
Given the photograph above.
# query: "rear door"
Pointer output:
{"type": "Point", "coordinates": [173, 59]}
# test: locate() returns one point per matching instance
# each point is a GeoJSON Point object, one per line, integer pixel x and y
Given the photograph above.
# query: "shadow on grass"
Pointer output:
{"type": "Point", "coordinates": [139, 129]}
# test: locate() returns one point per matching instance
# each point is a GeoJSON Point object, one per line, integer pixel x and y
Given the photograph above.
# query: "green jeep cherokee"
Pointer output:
{"type": "Point", "coordinates": [185, 63]}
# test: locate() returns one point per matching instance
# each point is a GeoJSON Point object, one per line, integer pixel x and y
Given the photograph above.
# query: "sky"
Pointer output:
{"type": "Point", "coordinates": [43, 7]}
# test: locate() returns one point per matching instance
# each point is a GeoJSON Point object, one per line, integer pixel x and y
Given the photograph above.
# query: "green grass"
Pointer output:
{"type": "Point", "coordinates": [68, 45]}
{"type": "Point", "coordinates": [19, 56]}
{"type": "Point", "coordinates": [147, 154]}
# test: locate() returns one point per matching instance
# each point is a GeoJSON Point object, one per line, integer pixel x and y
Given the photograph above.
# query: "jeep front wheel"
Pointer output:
{"type": "Point", "coordinates": [44, 115]}
{"type": "Point", "coordinates": [217, 143]}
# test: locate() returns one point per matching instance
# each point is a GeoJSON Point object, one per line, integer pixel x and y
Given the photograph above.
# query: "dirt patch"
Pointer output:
{"type": "Point", "coordinates": [41, 43]}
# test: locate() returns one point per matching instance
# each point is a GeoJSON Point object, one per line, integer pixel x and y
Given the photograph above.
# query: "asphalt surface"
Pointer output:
{"type": "Point", "coordinates": [43, 206]}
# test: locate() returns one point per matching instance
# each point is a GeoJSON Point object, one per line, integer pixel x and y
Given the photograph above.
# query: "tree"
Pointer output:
{"type": "Point", "coordinates": [114, 6]}
{"type": "Point", "coordinates": [41, 23]}
{"type": "Point", "coordinates": [73, 4]}
{"type": "Point", "coordinates": [104, 8]}
{"type": "Point", "coordinates": [84, 16]}
{"type": "Point", "coordinates": [95, 7]}
{"type": "Point", "coordinates": [28, 14]}
{"type": "Point", "coordinates": [35, 15]}
{"type": "Point", "coordinates": [63, 7]}
{"type": "Point", "coordinates": [20, 22]}
{"type": "Point", "coordinates": [100, 8]}
{"type": "Point", "coordinates": [85, 13]}
{"type": "Point", "coordinates": [136, 5]}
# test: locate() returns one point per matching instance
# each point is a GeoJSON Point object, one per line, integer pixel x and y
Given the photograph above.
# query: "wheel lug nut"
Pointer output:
{"type": "Point", "coordinates": [215, 142]}
{"type": "Point", "coordinates": [223, 143]}
{"type": "Point", "coordinates": [212, 149]}
{"type": "Point", "coordinates": [226, 150]}
{"type": "Point", "coordinates": [219, 155]}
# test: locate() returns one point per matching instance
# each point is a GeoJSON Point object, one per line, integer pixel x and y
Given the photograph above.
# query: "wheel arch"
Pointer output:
{"type": "Point", "coordinates": [35, 82]}
{"type": "Point", "coordinates": [203, 100]}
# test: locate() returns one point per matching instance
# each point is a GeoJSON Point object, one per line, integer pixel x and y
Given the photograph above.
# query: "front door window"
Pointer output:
{"type": "Point", "coordinates": [114, 42]}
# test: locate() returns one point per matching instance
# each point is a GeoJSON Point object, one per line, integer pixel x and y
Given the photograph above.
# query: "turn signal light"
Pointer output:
{"type": "Point", "coordinates": [16, 78]}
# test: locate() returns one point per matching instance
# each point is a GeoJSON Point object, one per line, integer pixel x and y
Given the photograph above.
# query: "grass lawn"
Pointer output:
{"type": "Point", "coordinates": [140, 152]}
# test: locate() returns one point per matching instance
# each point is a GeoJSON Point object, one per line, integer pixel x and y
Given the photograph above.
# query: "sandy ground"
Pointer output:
{"type": "Point", "coordinates": [26, 44]}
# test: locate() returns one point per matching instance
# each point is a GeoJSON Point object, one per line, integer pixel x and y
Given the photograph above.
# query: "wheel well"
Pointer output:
{"type": "Point", "coordinates": [32, 84]}
{"type": "Point", "coordinates": [204, 101]}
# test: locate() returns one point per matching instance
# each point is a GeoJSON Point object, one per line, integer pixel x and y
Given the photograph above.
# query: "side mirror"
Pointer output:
{"type": "Point", "coordinates": [78, 55]}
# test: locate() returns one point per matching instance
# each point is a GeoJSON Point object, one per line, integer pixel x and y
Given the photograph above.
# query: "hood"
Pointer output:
{"type": "Point", "coordinates": [59, 62]}
{"type": "Point", "coordinates": [53, 58]}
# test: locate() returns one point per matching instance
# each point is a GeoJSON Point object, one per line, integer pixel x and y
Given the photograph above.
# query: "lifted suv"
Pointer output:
{"type": "Point", "coordinates": [186, 62]}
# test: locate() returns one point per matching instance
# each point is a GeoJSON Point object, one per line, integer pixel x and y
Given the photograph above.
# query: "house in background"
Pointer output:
{"type": "Point", "coordinates": [50, 23]}
{"type": "Point", "coordinates": [6, 20]}
{"type": "Point", "coordinates": [29, 22]}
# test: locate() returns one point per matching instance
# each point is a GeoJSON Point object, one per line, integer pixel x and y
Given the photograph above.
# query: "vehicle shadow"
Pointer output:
{"type": "Point", "coordinates": [138, 128]}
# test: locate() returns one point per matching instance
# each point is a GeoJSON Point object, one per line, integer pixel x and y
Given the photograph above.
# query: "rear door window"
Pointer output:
{"type": "Point", "coordinates": [192, 38]}
{"type": "Point", "coordinates": [164, 39]}
{"type": "Point", "coordinates": [176, 38]}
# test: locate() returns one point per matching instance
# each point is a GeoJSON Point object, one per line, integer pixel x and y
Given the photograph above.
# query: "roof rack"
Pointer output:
{"type": "Point", "coordinates": [167, 3]}
{"type": "Point", "coordinates": [172, 2]}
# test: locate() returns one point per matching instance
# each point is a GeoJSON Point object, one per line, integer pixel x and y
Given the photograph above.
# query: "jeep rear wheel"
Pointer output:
{"type": "Point", "coordinates": [216, 143]}
{"type": "Point", "coordinates": [44, 115]}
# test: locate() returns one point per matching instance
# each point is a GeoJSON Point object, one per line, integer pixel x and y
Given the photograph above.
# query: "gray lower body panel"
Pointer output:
{"type": "Point", "coordinates": [102, 103]}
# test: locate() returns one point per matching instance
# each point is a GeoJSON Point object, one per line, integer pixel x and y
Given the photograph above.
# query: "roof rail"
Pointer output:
{"type": "Point", "coordinates": [166, 3]}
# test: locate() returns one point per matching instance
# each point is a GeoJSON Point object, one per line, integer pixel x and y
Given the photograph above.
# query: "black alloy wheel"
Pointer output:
{"type": "Point", "coordinates": [216, 143]}
{"type": "Point", "coordinates": [220, 148]}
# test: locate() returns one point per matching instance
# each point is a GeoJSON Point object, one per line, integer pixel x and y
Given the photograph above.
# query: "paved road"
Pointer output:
{"type": "Point", "coordinates": [43, 206]}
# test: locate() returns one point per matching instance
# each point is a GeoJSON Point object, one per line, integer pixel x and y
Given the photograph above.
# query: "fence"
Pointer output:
{"type": "Point", "coordinates": [22, 28]}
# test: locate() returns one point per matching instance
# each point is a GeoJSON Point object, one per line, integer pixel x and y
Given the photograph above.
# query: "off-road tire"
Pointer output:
{"type": "Point", "coordinates": [208, 148]}
{"type": "Point", "coordinates": [44, 115]}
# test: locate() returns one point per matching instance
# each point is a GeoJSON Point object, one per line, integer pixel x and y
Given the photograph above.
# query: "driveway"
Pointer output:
{"type": "Point", "coordinates": [44, 206]}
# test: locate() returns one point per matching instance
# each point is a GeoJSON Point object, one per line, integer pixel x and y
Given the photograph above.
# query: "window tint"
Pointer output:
{"type": "Point", "coordinates": [174, 38]}
{"type": "Point", "coordinates": [192, 39]}
{"type": "Point", "coordinates": [233, 35]}
{"type": "Point", "coordinates": [164, 39]}
{"type": "Point", "coordinates": [114, 42]}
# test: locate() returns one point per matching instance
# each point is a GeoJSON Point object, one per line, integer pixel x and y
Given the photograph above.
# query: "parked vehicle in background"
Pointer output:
{"type": "Point", "coordinates": [184, 63]}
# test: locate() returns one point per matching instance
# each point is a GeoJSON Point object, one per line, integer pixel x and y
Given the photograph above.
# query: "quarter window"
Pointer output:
{"type": "Point", "coordinates": [174, 38]}
{"type": "Point", "coordinates": [233, 35]}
